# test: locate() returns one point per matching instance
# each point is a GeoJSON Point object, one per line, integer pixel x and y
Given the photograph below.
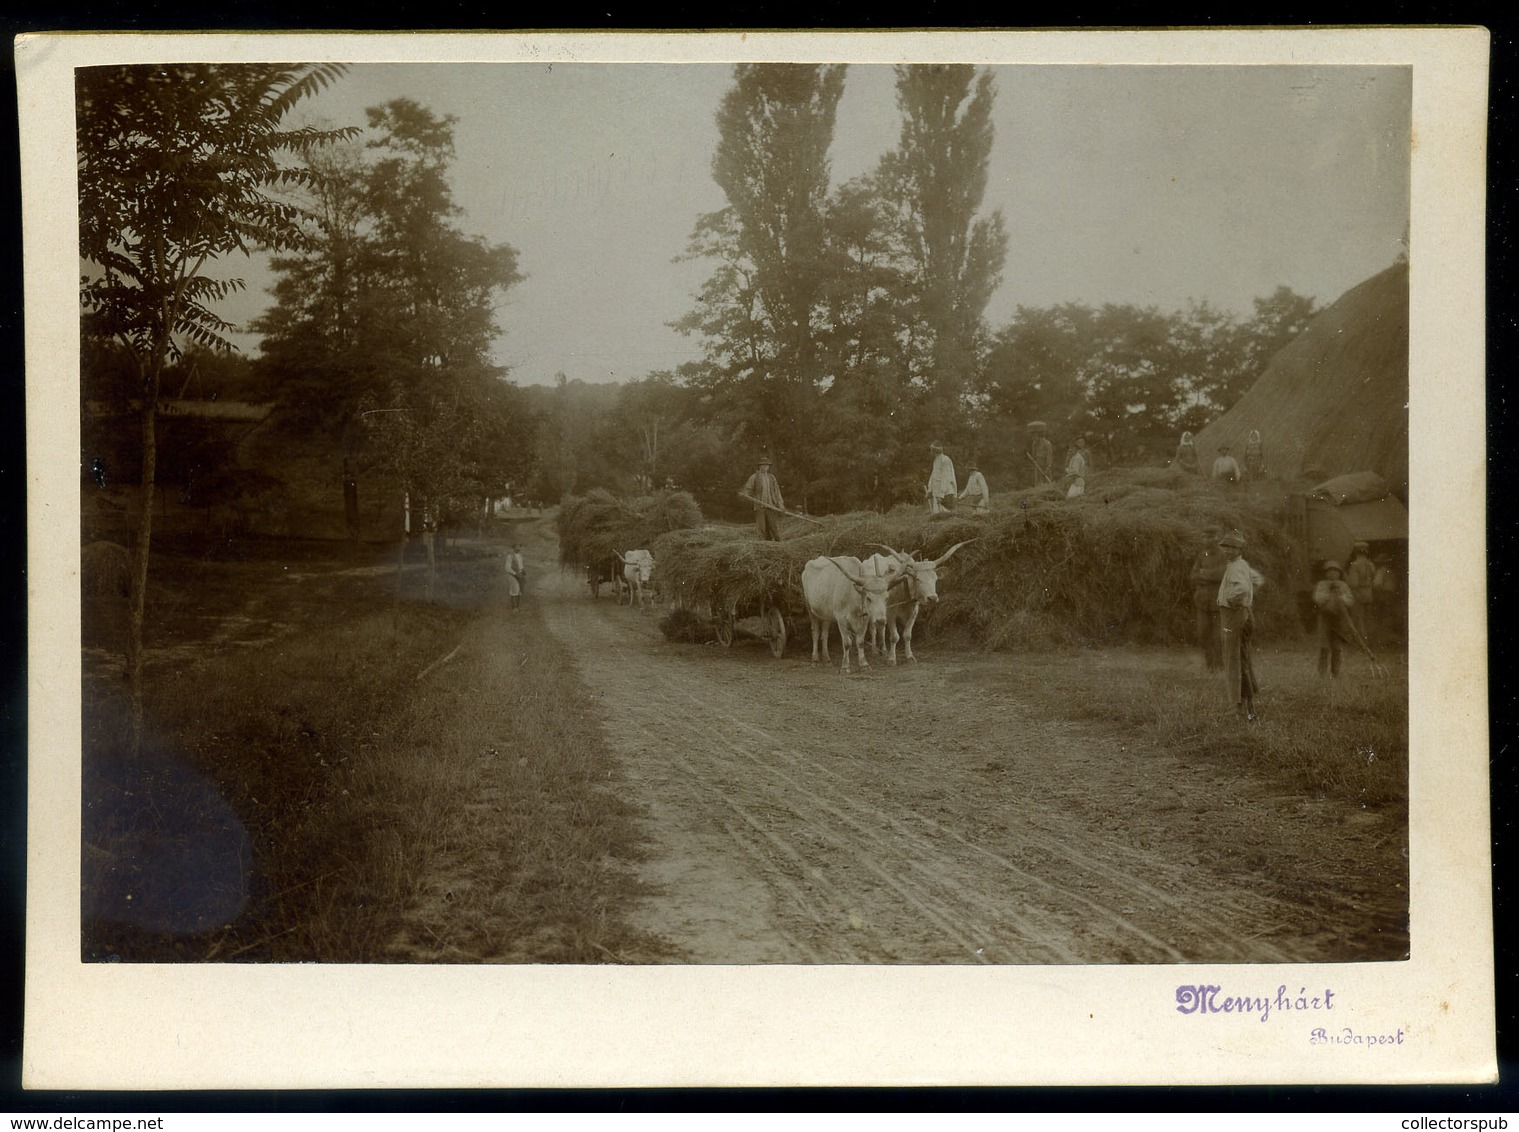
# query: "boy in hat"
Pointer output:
{"type": "Point", "coordinates": [516, 576]}
{"type": "Point", "coordinates": [1236, 599]}
{"type": "Point", "coordinates": [1334, 601]}
{"type": "Point", "coordinates": [1361, 576]}
{"type": "Point", "coordinates": [764, 491]}
{"type": "Point", "coordinates": [941, 481]}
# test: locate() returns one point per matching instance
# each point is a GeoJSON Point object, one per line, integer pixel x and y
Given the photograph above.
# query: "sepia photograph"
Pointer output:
{"type": "Point", "coordinates": [841, 512]}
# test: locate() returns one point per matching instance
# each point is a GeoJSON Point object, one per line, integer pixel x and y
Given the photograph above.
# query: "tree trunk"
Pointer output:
{"type": "Point", "coordinates": [140, 565]}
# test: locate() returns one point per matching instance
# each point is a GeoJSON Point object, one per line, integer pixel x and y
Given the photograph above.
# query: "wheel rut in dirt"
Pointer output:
{"type": "Point", "coordinates": [900, 815]}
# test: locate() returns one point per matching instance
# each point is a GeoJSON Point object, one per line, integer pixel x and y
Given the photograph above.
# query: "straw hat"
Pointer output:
{"type": "Point", "coordinates": [1234, 539]}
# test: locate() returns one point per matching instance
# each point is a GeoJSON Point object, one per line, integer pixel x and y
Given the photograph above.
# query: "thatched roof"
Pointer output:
{"type": "Point", "coordinates": [1335, 400]}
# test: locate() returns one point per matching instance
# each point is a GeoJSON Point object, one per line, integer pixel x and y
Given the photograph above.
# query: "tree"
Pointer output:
{"type": "Point", "coordinates": [178, 167]}
{"type": "Point", "coordinates": [762, 310]}
{"type": "Point", "coordinates": [935, 181]}
{"type": "Point", "coordinates": [390, 305]}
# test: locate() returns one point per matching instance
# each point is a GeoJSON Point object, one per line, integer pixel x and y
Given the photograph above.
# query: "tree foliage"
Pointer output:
{"type": "Point", "coordinates": [179, 166]}
{"type": "Point", "coordinates": [391, 306]}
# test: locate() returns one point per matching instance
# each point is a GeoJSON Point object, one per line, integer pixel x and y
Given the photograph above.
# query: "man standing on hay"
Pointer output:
{"type": "Point", "coordinates": [764, 491]}
{"type": "Point", "coordinates": [1226, 467]}
{"type": "Point", "coordinates": [976, 494]}
{"type": "Point", "coordinates": [1042, 453]}
{"type": "Point", "coordinates": [1076, 470]}
{"type": "Point", "coordinates": [941, 481]}
{"type": "Point", "coordinates": [1236, 597]}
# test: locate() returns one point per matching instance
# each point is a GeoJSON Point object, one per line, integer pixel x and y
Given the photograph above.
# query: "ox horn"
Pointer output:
{"type": "Point", "coordinates": [942, 559]}
{"type": "Point", "coordinates": [846, 573]}
{"type": "Point", "coordinates": [897, 554]}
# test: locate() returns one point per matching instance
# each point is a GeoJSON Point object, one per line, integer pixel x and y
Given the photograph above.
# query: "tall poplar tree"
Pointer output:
{"type": "Point", "coordinates": [936, 181]}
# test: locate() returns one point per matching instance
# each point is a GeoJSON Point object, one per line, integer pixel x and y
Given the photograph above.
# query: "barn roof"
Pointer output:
{"type": "Point", "coordinates": [1335, 399]}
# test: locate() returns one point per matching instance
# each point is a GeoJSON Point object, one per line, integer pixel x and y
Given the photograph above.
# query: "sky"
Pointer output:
{"type": "Point", "coordinates": [1151, 185]}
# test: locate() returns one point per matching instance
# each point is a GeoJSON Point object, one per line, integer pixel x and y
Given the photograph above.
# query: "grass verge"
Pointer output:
{"type": "Point", "coordinates": [1345, 739]}
{"type": "Point", "coordinates": [309, 798]}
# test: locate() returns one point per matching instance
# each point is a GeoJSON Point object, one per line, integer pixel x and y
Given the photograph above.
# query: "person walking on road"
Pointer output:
{"type": "Point", "coordinates": [1236, 600]}
{"type": "Point", "coordinates": [764, 491]}
{"type": "Point", "coordinates": [941, 481]}
{"type": "Point", "coordinates": [516, 577]}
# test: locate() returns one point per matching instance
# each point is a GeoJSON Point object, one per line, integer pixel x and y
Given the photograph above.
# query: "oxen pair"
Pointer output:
{"type": "Point", "coordinates": [865, 599]}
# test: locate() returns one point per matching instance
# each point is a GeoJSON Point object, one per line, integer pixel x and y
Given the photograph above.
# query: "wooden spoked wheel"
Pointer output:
{"type": "Point", "coordinates": [777, 633]}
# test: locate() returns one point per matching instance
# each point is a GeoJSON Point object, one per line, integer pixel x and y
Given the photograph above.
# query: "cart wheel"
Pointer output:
{"type": "Point", "coordinates": [724, 628]}
{"type": "Point", "coordinates": [777, 633]}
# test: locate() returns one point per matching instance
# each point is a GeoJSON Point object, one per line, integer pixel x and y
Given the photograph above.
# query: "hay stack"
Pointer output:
{"type": "Point", "coordinates": [597, 525]}
{"type": "Point", "coordinates": [1335, 399]}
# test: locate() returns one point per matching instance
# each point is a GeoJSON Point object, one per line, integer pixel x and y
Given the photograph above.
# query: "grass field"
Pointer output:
{"type": "Point", "coordinates": [299, 789]}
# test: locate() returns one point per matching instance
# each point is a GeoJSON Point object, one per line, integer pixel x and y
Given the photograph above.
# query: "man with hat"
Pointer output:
{"type": "Point", "coordinates": [1076, 469]}
{"type": "Point", "coordinates": [1236, 599]}
{"type": "Point", "coordinates": [976, 490]}
{"type": "Point", "coordinates": [1226, 467]}
{"type": "Point", "coordinates": [1334, 601]}
{"type": "Point", "coordinates": [941, 480]}
{"type": "Point", "coordinates": [1042, 453]}
{"type": "Point", "coordinates": [1361, 575]}
{"type": "Point", "coordinates": [764, 491]}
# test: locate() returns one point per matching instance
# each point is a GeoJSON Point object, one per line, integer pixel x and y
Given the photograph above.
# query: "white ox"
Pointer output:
{"type": "Point", "coordinates": [916, 585]}
{"type": "Point", "coordinates": [839, 591]}
{"type": "Point", "coordinates": [637, 565]}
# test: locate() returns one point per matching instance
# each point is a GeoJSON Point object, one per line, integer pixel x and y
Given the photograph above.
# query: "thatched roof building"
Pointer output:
{"type": "Point", "coordinates": [1335, 400]}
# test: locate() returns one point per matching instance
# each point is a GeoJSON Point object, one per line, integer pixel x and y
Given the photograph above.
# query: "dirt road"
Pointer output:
{"type": "Point", "coordinates": [921, 814]}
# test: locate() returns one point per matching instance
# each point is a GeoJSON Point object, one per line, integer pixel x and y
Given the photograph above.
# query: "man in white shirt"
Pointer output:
{"type": "Point", "coordinates": [941, 481]}
{"type": "Point", "coordinates": [1226, 467]}
{"type": "Point", "coordinates": [1236, 597]}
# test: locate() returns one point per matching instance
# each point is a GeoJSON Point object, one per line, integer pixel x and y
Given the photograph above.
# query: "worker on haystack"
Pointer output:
{"type": "Point", "coordinates": [1226, 467]}
{"type": "Point", "coordinates": [1255, 456]}
{"type": "Point", "coordinates": [1236, 601]}
{"type": "Point", "coordinates": [1361, 576]}
{"type": "Point", "coordinates": [1042, 453]}
{"type": "Point", "coordinates": [1207, 573]}
{"type": "Point", "coordinates": [976, 493]}
{"type": "Point", "coordinates": [1076, 469]}
{"type": "Point", "coordinates": [1186, 455]}
{"type": "Point", "coordinates": [1334, 601]}
{"type": "Point", "coordinates": [764, 491]}
{"type": "Point", "coordinates": [941, 481]}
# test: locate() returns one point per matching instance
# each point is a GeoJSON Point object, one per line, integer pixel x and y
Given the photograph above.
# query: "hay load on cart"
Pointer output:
{"type": "Point", "coordinates": [1110, 567]}
{"type": "Point", "coordinates": [597, 529]}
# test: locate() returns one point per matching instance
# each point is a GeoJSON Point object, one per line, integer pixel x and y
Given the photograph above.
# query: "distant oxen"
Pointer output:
{"type": "Point", "coordinates": [637, 565]}
{"type": "Point", "coordinates": [917, 585]}
{"type": "Point", "coordinates": [838, 591]}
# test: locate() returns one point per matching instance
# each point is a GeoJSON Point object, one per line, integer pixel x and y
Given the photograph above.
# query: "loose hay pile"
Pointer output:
{"type": "Point", "coordinates": [595, 526]}
{"type": "Point", "coordinates": [1110, 566]}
